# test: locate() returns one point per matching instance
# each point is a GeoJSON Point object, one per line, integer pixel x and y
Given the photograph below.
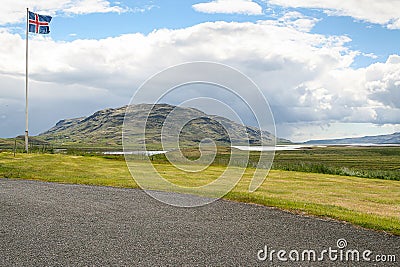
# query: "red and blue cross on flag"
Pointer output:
{"type": "Point", "coordinates": [39, 23]}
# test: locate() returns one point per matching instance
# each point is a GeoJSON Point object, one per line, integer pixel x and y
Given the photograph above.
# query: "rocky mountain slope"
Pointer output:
{"type": "Point", "coordinates": [104, 127]}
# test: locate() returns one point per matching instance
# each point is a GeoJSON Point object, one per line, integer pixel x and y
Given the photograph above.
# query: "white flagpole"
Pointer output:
{"type": "Point", "coordinates": [26, 82]}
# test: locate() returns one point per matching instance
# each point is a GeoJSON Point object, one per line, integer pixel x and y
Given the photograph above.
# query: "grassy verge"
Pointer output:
{"type": "Point", "coordinates": [370, 203]}
{"type": "Point", "coordinates": [66, 169]}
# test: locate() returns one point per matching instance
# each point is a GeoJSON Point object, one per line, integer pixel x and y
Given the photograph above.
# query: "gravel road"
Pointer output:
{"type": "Point", "coordinates": [49, 224]}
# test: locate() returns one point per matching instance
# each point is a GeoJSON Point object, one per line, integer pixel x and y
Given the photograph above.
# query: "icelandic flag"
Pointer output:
{"type": "Point", "coordinates": [39, 23]}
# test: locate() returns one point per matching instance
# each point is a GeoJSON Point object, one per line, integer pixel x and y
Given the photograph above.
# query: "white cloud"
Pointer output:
{"type": "Point", "coordinates": [295, 20]}
{"type": "Point", "coordinates": [247, 7]}
{"type": "Point", "coordinates": [384, 12]}
{"type": "Point", "coordinates": [13, 12]}
{"type": "Point", "coordinates": [307, 77]}
{"type": "Point", "coordinates": [370, 55]}
{"type": "Point", "coordinates": [143, 9]}
{"type": "Point", "coordinates": [91, 6]}
{"type": "Point", "coordinates": [383, 82]}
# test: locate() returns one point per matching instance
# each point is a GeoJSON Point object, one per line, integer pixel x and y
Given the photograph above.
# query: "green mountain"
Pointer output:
{"type": "Point", "coordinates": [104, 128]}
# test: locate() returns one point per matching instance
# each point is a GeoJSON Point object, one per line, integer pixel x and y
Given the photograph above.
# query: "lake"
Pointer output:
{"type": "Point", "coordinates": [256, 148]}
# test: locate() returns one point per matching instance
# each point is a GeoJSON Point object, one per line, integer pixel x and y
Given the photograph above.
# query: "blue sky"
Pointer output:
{"type": "Point", "coordinates": [327, 69]}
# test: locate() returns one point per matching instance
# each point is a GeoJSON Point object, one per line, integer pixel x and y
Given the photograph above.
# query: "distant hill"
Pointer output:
{"type": "Point", "coordinates": [378, 139]}
{"type": "Point", "coordinates": [104, 127]}
{"type": "Point", "coordinates": [19, 142]}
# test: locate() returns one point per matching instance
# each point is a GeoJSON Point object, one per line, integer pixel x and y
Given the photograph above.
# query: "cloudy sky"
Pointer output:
{"type": "Point", "coordinates": [328, 68]}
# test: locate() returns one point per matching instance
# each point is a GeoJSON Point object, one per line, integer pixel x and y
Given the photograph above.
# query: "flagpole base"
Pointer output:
{"type": "Point", "coordinates": [26, 141]}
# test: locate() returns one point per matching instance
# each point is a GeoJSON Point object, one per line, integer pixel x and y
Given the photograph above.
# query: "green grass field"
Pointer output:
{"type": "Point", "coordinates": [365, 162]}
{"type": "Point", "coordinates": [371, 203]}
